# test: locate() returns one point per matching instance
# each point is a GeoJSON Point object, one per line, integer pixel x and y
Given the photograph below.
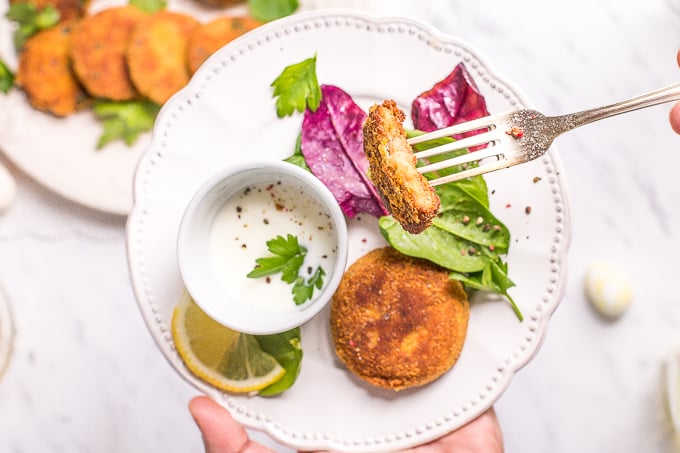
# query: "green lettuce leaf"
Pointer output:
{"type": "Point", "coordinates": [286, 348]}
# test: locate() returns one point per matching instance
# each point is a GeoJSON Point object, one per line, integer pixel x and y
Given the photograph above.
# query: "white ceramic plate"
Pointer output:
{"type": "Point", "coordinates": [226, 115]}
{"type": "Point", "coordinates": [60, 153]}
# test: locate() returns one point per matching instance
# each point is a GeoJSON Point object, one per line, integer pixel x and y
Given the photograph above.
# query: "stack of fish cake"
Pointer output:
{"type": "Point", "coordinates": [119, 54]}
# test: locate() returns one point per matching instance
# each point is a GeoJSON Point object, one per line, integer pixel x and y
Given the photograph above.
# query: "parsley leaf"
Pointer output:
{"type": "Point", "coordinates": [303, 290]}
{"type": "Point", "coordinates": [124, 120]}
{"type": "Point", "coordinates": [288, 258]}
{"type": "Point", "coordinates": [6, 78]}
{"type": "Point", "coordinates": [297, 88]}
{"type": "Point", "coordinates": [267, 10]}
{"type": "Point", "coordinates": [297, 158]}
{"type": "Point", "coordinates": [30, 20]}
{"type": "Point", "coordinates": [149, 6]}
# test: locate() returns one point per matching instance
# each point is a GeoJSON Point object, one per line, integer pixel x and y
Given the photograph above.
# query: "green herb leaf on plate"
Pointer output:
{"type": "Point", "coordinates": [465, 238]}
{"type": "Point", "coordinates": [6, 78]}
{"type": "Point", "coordinates": [304, 290]}
{"type": "Point", "coordinates": [124, 120]}
{"type": "Point", "coordinates": [286, 348]}
{"type": "Point", "coordinates": [149, 6]}
{"type": "Point", "coordinates": [493, 278]}
{"type": "Point", "coordinates": [297, 88]}
{"type": "Point", "coordinates": [288, 258]}
{"type": "Point", "coordinates": [268, 10]}
{"type": "Point", "coordinates": [30, 20]}
{"type": "Point", "coordinates": [297, 158]}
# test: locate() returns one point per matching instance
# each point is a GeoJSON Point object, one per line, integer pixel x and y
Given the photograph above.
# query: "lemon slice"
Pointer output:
{"type": "Point", "coordinates": [229, 360]}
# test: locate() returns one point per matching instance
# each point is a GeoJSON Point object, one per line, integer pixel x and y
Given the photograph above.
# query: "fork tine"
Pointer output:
{"type": "Point", "coordinates": [489, 137]}
{"type": "Point", "coordinates": [475, 171]}
{"type": "Point", "coordinates": [491, 151]}
{"type": "Point", "coordinates": [473, 125]}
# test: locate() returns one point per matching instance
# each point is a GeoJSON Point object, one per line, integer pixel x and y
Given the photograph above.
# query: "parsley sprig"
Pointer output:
{"type": "Point", "coordinates": [30, 20]}
{"type": "Point", "coordinates": [297, 88]}
{"type": "Point", "coordinates": [289, 256]}
{"type": "Point", "coordinates": [124, 120]}
{"type": "Point", "coordinates": [6, 78]}
{"type": "Point", "coordinates": [267, 10]}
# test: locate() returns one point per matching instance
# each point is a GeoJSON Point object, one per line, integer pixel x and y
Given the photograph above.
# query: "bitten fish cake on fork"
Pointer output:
{"type": "Point", "coordinates": [98, 52]}
{"type": "Point", "coordinates": [45, 72]}
{"type": "Point", "coordinates": [392, 166]}
{"type": "Point", "coordinates": [156, 54]}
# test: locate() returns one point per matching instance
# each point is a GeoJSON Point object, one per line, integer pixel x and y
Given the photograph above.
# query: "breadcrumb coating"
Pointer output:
{"type": "Point", "coordinates": [408, 196]}
{"type": "Point", "coordinates": [398, 322]}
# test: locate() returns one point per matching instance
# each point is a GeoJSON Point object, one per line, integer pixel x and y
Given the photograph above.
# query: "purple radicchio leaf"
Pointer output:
{"type": "Point", "coordinates": [332, 144]}
{"type": "Point", "coordinates": [454, 100]}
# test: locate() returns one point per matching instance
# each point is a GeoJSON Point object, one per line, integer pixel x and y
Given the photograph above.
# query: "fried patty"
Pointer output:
{"type": "Point", "coordinates": [156, 54]}
{"type": "Point", "coordinates": [45, 74]}
{"type": "Point", "coordinates": [392, 166]}
{"type": "Point", "coordinates": [99, 43]}
{"type": "Point", "coordinates": [398, 322]}
{"type": "Point", "coordinates": [208, 38]}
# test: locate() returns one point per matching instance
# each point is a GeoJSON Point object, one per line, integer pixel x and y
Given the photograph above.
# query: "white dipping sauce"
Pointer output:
{"type": "Point", "coordinates": [252, 217]}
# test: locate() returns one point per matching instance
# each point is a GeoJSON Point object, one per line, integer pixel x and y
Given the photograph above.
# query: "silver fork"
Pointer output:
{"type": "Point", "coordinates": [519, 136]}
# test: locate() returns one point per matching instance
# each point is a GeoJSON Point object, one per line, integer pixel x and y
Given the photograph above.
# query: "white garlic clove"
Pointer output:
{"type": "Point", "coordinates": [608, 288]}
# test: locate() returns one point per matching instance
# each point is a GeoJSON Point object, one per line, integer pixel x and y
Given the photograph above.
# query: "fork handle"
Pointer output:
{"type": "Point", "coordinates": [660, 96]}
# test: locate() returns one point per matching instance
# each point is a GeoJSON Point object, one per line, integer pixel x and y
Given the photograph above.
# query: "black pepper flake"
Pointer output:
{"type": "Point", "coordinates": [265, 221]}
{"type": "Point", "coordinates": [239, 209]}
{"type": "Point", "coordinates": [324, 256]}
{"type": "Point", "coordinates": [268, 279]}
{"type": "Point", "coordinates": [527, 210]}
{"type": "Point", "coordinates": [309, 269]}
{"type": "Point", "coordinates": [244, 246]}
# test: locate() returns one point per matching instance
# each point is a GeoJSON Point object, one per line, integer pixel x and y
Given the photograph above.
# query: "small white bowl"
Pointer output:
{"type": "Point", "coordinates": [226, 227]}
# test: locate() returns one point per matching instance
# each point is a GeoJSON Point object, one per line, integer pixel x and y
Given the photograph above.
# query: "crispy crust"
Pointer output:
{"type": "Point", "coordinates": [98, 52]}
{"type": "Point", "coordinates": [45, 74]}
{"type": "Point", "coordinates": [208, 38]}
{"type": "Point", "coordinates": [398, 322]}
{"type": "Point", "coordinates": [407, 194]}
{"type": "Point", "coordinates": [156, 54]}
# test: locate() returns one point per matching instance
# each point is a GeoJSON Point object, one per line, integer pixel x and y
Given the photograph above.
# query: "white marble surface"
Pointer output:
{"type": "Point", "coordinates": [85, 375]}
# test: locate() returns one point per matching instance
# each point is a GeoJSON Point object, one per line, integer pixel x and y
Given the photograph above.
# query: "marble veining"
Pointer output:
{"type": "Point", "coordinates": [86, 376]}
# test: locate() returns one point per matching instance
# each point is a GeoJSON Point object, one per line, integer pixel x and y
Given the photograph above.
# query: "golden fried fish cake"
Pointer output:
{"type": "Point", "coordinates": [398, 322]}
{"type": "Point", "coordinates": [68, 9]}
{"type": "Point", "coordinates": [392, 166]}
{"type": "Point", "coordinates": [45, 74]}
{"type": "Point", "coordinates": [156, 54]}
{"type": "Point", "coordinates": [99, 43]}
{"type": "Point", "coordinates": [209, 37]}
